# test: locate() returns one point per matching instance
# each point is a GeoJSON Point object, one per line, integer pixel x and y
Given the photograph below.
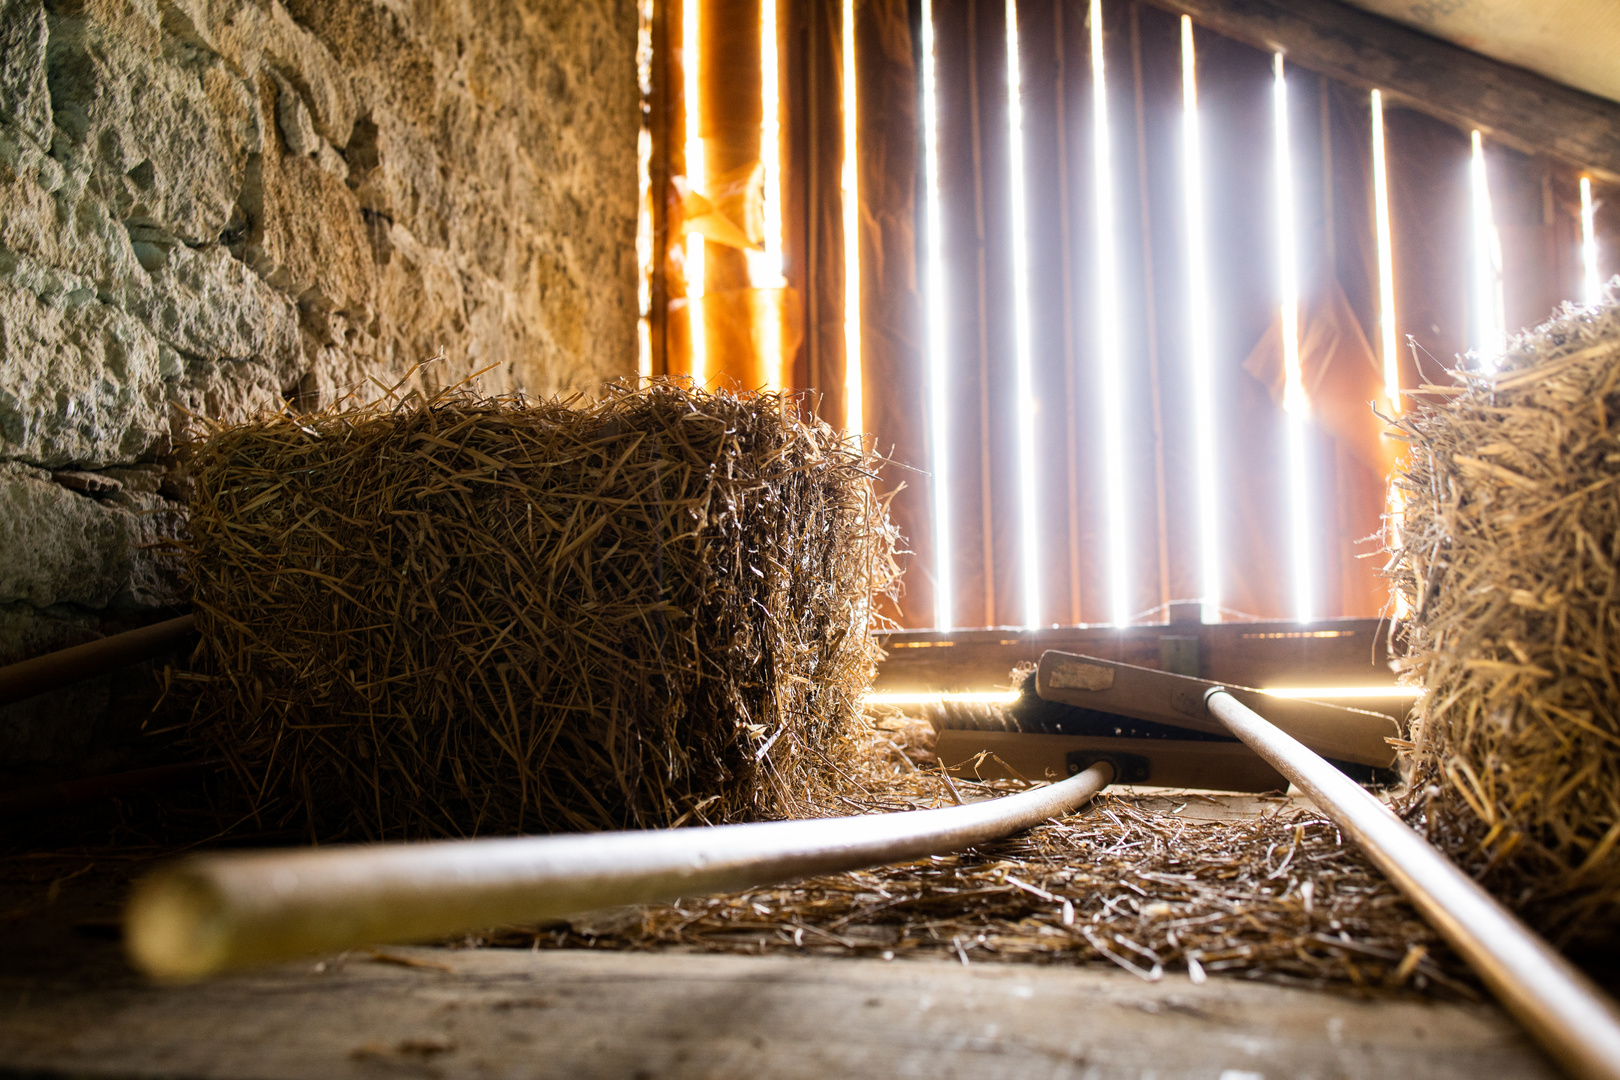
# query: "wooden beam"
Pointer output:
{"type": "Point", "coordinates": [1510, 105]}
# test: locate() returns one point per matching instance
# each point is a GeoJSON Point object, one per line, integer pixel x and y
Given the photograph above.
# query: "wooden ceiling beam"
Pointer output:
{"type": "Point", "coordinates": [1510, 105]}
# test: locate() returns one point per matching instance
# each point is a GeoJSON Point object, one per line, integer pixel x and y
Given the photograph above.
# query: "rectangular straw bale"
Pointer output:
{"type": "Point", "coordinates": [469, 615]}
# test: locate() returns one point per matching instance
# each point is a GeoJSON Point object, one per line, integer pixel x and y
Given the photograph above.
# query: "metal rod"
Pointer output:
{"type": "Point", "coordinates": [212, 912]}
{"type": "Point", "coordinates": [26, 678]}
{"type": "Point", "coordinates": [1572, 1019]}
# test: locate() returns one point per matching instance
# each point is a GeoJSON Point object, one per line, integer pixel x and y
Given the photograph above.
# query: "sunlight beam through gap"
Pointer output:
{"type": "Point", "coordinates": [1396, 504]}
{"type": "Point", "coordinates": [1592, 284]}
{"type": "Point", "coordinates": [1023, 361]}
{"type": "Point", "coordinates": [644, 222]}
{"type": "Point", "coordinates": [1108, 338]}
{"type": "Point", "coordinates": [1295, 404]}
{"type": "Point", "coordinates": [854, 405]}
{"type": "Point", "coordinates": [1386, 259]}
{"type": "Point", "coordinates": [696, 181]}
{"type": "Point", "coordinates": [1199, 335]}
{"type": "Point", "coordinates": [1490, 321]}
{"type": "Point", "coordinates": [938, 370]}
{"type": "Point", "coordinates": [765, 267]}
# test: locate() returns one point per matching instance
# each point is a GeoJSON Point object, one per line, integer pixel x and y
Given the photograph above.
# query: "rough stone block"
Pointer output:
{"type": "Point", "coordinates": [307, 237]}
{"type": "Point", "coordinates": [303, 60]}
{"type": "Point", "coordinates": [25, 100]}
{"type": "Point", "coordinates": [58, 546]}
{"type": "Point", "coordinates": [167, 142]}
{"type": "Point", "coordinates": [207, 304]}
{"type": "Point", "coordinates": [81, 383]}
{"type": "Point", "coordinates": [396, 171]}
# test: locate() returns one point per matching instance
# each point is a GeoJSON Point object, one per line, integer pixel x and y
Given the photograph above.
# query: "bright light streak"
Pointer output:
{"type": "Point", "coordinates": [1200, 340]}
{"type": "Point", "coordinates": [1592, 292]}
{"type": "Point", "coordinates": [938, 369]}
{"type": "Point", "coordinates": [1386, 260]}
{"type": "Point", "coordinates": [930, 697]}
{"type": "Point", "coordinates": [1295, 404]}
{"type": "Point", "coordinates": [765, 267]}
{"type": "Point", "coordinates": [854, 405]}
{"type": "Point", "coordinates": [697, 180]}
{"type": "Point", "coordinates": [694, 308]}
{"type": "Point", "coordinates": [1023, 363]}
{"type": "Point", "coordinates": [1108, 346]}
{"type": "Point", "coordinates": [644, 238]}
{"type": "Point", "coordinates": [644, 255]}
{"type": "Point", "coordinates": [1007, 697]}
{"type": "Point", "coordinates": [1332, 693]}
{"type": "Point", "coordinates": [1396, 506]}
{"type": "Point", "coordinates": [1490, 320]}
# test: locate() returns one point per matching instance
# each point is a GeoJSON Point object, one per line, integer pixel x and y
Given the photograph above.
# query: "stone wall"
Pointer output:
{"type": "Point", "coordinates": [208, 205]}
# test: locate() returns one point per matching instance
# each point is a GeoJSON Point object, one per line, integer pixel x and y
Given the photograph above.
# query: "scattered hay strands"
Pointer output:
{"type": "Point", "coordinates": [1281, 898]}
{"type": "Point", "coordinates": [449, 615]}
{"type": "Point", "coordinates": [1509, 559]}
{"type": "Point", "coordinates": [1132, 881]}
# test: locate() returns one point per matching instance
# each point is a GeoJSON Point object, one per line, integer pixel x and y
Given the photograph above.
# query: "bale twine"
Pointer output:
{"type": "Point", "coordinates": [1508, 559]}
{"type": "Point", "coordinates": [460, 615]}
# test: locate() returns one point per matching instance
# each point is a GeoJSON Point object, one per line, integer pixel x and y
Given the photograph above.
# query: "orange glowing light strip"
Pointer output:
{"type": "Point", "coordinates": [930, 697]}
{"type": "Point", "coordinates": [644, 253]}
{"type": "Point", "coordinates": [765, 267]}
{"type": "Point", "coordinates": [854, 406]}
{"type": "Point", "coordinates": [696, 180]}
{"type": "Point", "coordinates": [1339, 693]}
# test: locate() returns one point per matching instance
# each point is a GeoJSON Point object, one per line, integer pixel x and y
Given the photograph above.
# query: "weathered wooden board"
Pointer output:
{"type": "Point", "coordinates": [492, 1013]}
{"type": "Point", "coordinates": [1511, 105]}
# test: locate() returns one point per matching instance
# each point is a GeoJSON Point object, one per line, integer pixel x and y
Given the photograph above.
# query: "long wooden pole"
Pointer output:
{"type": "Point", "coordinates": [1571, 1018]}
{"type": "Point", "coordinates": [26, 678]}
{"type": "Point", "coordinates": [212, 912]}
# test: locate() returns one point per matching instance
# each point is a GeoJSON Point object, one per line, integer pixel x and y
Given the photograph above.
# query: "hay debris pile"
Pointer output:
{"type": "Point", "coordinates": [1150, 883]}
{"type": "Point", "coordinates": [460, 615]}
{"type": "Point", "coordinates": [1508, 558]}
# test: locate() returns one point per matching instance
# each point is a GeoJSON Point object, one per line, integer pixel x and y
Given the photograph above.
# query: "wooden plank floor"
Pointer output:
{"type": "Point", "coordinates": [439, 1013]}
{"type": "Point", "coordinates": [71, 1007]}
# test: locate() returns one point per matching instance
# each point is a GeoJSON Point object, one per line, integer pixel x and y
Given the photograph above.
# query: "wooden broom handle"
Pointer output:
{"type": "Point", "coordinates": [1576, 1024]}
{"type": "Point", "coordinates": [208, 913]}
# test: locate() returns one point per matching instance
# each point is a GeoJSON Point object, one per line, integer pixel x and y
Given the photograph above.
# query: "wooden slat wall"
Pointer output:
{"type": "Point", "coordinates": [892, 359]}
{"type": "Point", "coordinates": [973, 249]}
{"type": "Point", "coordinates": [1536, 205]}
